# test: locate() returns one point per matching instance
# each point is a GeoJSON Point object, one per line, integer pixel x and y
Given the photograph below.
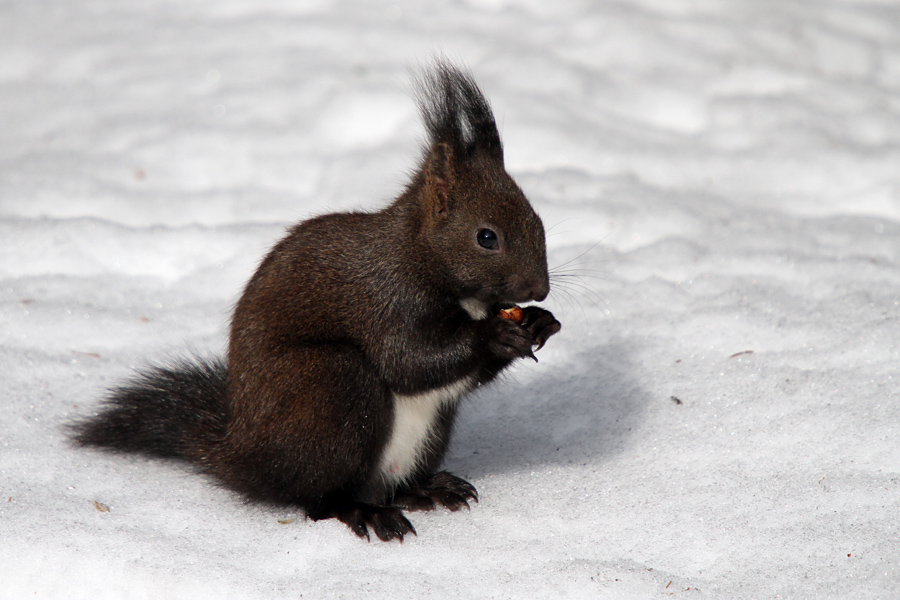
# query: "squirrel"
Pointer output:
{"type": "Point", "coordinates": [357, 337]}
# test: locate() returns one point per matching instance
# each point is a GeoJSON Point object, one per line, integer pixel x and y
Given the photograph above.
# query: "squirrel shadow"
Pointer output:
{"type": "Point", "coordinates": [582, 413]}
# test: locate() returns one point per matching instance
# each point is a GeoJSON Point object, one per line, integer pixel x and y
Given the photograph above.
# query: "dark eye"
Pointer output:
{"type": "Point", "coordinates": [488, 239]}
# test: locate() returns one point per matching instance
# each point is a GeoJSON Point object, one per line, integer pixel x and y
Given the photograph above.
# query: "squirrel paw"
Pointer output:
{"type": "Point", "coordinates": [387, 522]}
{"type": "Point", "coordinates": [442, 488]}
{"type": "Point", "coordinates": [507, 339]}
{"type": "Point", "coordinates": [540, 323]}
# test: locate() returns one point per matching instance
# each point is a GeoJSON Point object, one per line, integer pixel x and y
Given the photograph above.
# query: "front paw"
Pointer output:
{"type": "Point", "coordinates": [507, 339]}
{"type": "Point", "coordinates": [443, 488]}
{"type": "Point", "coordinates": [540, 324]}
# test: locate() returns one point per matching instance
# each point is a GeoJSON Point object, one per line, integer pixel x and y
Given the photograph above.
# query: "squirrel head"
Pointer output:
{"type": "Point", "coordinates": [477, 222]}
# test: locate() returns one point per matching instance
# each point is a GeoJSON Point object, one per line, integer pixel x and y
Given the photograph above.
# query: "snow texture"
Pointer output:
{"type": "Point", "coordinates": [719, 416]}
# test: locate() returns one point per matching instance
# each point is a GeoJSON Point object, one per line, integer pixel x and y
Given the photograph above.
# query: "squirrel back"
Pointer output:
{"type": "Point", "coordinates": [357, 336]}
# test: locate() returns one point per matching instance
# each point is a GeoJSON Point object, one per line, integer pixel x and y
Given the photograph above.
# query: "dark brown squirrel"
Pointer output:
{"type": "Point", "coordinates": [356, 338]}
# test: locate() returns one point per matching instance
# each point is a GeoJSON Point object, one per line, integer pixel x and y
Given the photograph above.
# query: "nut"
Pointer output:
{"type": "Point", "coordinates": [514, 314]}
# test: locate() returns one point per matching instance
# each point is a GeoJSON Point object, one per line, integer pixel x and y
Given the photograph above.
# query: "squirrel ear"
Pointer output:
{"type": "Point", "coordinates": [440, 178]}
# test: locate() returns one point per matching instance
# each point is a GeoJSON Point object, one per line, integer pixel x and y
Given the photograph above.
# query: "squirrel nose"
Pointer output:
{"type": "Point", "coordinates": [538, 290]}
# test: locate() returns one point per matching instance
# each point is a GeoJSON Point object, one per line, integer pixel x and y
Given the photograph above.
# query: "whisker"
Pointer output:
{"type": "Point", "coordinates": [585, 291]}
{"type": "Point", "coordinates": [569, 300]}
{"type": "Point", "coordinates": [577, 291]}
{"type": "Point", "coordinates": [574, 282]}
{"type": "Point", "coordinates": [552, 227]}
{"type": "Point", "coordinates": [566, 295]}
{"type": "Point", "coordinates": [575, 275]}
{"type": "Point", "coordinates": [568, 262]}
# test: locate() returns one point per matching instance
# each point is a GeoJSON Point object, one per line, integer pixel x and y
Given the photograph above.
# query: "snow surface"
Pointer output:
{"type": "Point", "coordinates": [722, 176]}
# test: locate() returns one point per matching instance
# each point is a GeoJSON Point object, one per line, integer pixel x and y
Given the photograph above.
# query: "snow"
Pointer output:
{"type": "Point", "coordinates": [723, 178]}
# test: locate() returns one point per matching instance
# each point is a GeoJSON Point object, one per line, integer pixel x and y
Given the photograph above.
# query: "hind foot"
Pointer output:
{"type": "Point", "coordinates": [387, 522]}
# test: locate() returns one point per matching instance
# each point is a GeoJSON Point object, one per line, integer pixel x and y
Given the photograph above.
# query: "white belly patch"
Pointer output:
{"type": "Point", "coordinates": [414, 418]}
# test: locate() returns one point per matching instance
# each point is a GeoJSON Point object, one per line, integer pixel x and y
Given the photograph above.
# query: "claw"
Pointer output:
{"type": "Point", "coordinates": [542, 326]}
{"type": "Point", "coordinates": [443, 489]}
{"type": "Point", "coordinates": [388, 523]}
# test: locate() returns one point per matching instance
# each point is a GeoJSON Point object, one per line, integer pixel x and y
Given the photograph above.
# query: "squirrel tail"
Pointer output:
{"type": "Point", "coordinates": [178, 411]}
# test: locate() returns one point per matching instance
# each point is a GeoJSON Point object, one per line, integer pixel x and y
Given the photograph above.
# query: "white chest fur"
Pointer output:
{"type": "Point", "coordinates": [414, 418]}
{"type": "Point", "coordinates": [476, 308]}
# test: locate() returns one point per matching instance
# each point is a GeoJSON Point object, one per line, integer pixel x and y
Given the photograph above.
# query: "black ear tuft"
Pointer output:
{"type": "Point", "coordinates": [456, 112]}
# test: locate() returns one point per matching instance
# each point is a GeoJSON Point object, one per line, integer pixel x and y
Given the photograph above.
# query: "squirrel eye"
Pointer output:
{"type": "Point", "coordinates": [487, 238]}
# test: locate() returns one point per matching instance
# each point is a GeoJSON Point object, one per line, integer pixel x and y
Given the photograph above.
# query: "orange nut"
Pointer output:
{"type": "Point", "coordinates": [514, 314]}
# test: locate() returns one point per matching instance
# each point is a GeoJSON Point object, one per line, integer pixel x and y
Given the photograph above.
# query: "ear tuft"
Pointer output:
{"type": "Point", "coordinates": [440, 178]}
{"type": "Point", "coordinates": [456, 112]}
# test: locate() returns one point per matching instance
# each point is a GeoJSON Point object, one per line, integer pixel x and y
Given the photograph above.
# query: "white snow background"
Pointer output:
{"type": "Point", "coordinates": [724, 176]}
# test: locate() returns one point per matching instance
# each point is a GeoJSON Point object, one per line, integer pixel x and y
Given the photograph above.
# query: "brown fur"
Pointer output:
{"type": "Point", "coordinates": [345, 315]}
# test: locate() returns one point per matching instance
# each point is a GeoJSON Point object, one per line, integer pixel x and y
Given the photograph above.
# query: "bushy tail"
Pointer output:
{"type": "Point", "coordinates": [170, 412]}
